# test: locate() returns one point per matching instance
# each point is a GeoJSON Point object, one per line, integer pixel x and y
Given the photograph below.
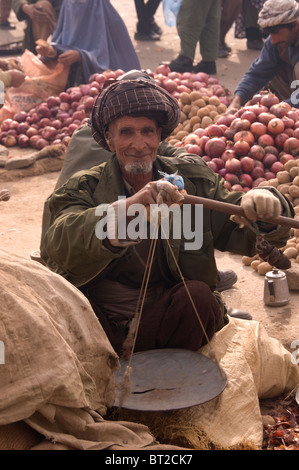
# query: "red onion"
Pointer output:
{"type": "Point", "coordinates": [276, 126]}
{"type": "Point", "coordinates": [246, 136]}
{"type": "Point", "coordinates": [233, 165]}
{"type": "Point", "coordinates": [23, 127]}
{"type": "Point", "coordinates": [265, 117]}
{"type": "Point", "coordinates": [241, 147]}
{"type": "Point", "coordinates": [257, 172]}
{"type": "Point", "coordinates": [258, 181]}
{"type": "Point", "coordinates": [291, 146]}
{"type": "Point", "coordinates": [21, 116]}
{"type": "Point", "coordinates": [269, 100]}
{"type": "Point", "coordinates": [285, 157]}
{"type": "Point", "coordinates": [65, 97]}
{"type": "Point", "coordinates": [269, 159]}
{"type": "Point", "coordinates": [10, 141]}
{"type": "Point", "coordinates": [280, 140]}
{"type": "Point", "coordinates": [23, 141]}
{"type": "Point", "coordinates": [41, 143]}
{"type": "Point", "coordinates": [265, 140]}
{"type": "Point", "coordinates": [258, 128]}
{"type": "Point", "coordinates": [215, 147]}
{"type": "Point", "coordinates": [247, 164]}
{"type": "Point", "coordinates": [31, 131]}
{"type": "Point", "coordinates": [44, 111]}
{"type": "Point", "coordinates": [257, 152]}
{"type": "Point", "coordinates": [6, 124]}
{"type": "Point", "coordinates": [276, 167]}
{"type": "Point", "coordinates": [232, 178]}
{"type": "Point", "coordinates": [53, 101]}
{"type": "Point", "coordinates": [213, 166]}
{"type": "Point", "coordinates": [49, 133]}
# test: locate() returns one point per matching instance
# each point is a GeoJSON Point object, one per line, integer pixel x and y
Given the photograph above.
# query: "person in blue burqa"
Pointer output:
{"type": "Point", "coordinates": [89, 37]}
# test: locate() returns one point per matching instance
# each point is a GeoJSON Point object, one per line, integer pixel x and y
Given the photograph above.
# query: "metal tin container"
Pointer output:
{"type": "Point", "coordinates": [276, 290]}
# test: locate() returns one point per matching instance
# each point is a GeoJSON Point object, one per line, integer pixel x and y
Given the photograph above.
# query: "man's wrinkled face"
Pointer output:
{"type": "Point", "coordinates": [286, 37]}
{"type": "Point", "coordinates": [135, 141]}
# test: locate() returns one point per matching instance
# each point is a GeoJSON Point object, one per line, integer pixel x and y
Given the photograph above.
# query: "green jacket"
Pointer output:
{"type": "Point", "coordinates": [71, 244]}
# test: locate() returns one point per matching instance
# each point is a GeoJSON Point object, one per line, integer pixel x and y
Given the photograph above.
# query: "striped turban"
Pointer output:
{"type": "Point", "coordinates": [139, 97]}
{"type": "Point", "coordinates": [277, 12]}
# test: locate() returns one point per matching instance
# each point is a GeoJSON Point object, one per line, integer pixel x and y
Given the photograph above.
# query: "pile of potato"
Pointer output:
{"type": "Point", "coordinates": [287, 182]}
{"type": "Point", "coordinates": [197, 111]}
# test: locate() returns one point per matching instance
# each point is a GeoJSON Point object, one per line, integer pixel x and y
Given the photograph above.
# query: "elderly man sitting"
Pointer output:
{"type": "Point", "coordinates": [277, 67]}
{"type": "Point", "coordinates": [91, 241]}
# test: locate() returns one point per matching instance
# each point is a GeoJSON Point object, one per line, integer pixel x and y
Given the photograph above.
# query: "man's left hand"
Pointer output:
{"type": "Point", "coordinates": [260, 204]}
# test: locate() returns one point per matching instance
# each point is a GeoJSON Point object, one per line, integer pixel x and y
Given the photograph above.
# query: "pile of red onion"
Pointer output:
{"type": "Point", "coordinates": [250, 146]}
{"type": "Point", "coordinates": [55, 120]}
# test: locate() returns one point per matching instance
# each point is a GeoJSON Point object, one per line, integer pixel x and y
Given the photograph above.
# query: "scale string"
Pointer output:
{"type": "Point", "coordinates": [130, 342]}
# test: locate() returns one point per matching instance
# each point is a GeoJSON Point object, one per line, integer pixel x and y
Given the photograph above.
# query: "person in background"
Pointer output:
{"type": "Point", "coordinates": [198, 22]}
{"type": "Point", "coordinates": [247, 26]}
{"type": "Point", "coordinates": [277, 66]}
{"type": "Point", "coordinates": [5, 9]}
{"type": "Point", "coordinates": [40, 16]}
{"type": "Point", "coordinates": [131, 118]}
{"type": "Point", "coordinates": [230, 10]}
{"type": "Point", "coordinates": [90, 37]}
{"type": "Point", "coordinates": [147, 29]}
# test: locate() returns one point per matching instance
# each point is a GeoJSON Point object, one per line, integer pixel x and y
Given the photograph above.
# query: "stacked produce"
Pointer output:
{"type": "Point", "coordinates": [177, 83]}
{"type": "Point", "coordinates": [256, 146]}
{"type": "Point", "coordinates": [55, 120]}
{"type": "Point", "coordinates": [248, 147]}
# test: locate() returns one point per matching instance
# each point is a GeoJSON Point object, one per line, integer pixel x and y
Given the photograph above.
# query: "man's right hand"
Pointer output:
{"type": "Point", "coordinates": [156, 192]}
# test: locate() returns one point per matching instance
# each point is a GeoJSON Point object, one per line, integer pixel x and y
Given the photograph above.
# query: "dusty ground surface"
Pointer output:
{"type": "Point", "coordinates": [21, 216]}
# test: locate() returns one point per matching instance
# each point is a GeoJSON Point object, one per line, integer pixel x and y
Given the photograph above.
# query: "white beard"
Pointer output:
{"type": "Point", "coordinates": [138, 168]}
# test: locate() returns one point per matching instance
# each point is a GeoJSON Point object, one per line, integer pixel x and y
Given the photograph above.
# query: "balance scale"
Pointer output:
{"type": "Point", "coordinates": [170, 379]}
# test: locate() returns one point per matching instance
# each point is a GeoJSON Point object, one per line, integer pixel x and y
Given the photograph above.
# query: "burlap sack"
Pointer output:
{"type": "Point", "coordinates": [57, 365]}
{"type": "Point", "coordinates": [257, 367]}
{"type": "Point", "coordinates": [55, 351]}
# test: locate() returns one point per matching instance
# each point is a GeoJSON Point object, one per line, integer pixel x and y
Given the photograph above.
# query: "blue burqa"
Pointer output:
{"type": "Point", "coordinates": [96, 30]}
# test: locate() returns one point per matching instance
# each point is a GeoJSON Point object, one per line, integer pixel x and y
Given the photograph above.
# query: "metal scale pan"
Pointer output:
{"type": "Point", "coordinates": [170, 379]}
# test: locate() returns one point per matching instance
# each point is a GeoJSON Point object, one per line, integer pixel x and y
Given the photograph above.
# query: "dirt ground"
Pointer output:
{"type": "Point", "coordinates": [21, 216]}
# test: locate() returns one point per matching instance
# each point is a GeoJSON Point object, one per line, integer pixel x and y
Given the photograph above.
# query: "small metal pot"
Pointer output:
{"type": "Point", "coordinates": [276, 289]}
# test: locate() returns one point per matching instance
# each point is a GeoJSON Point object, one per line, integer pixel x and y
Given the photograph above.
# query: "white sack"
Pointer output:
{"type": "Point", "coordinates": [257, 367]}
